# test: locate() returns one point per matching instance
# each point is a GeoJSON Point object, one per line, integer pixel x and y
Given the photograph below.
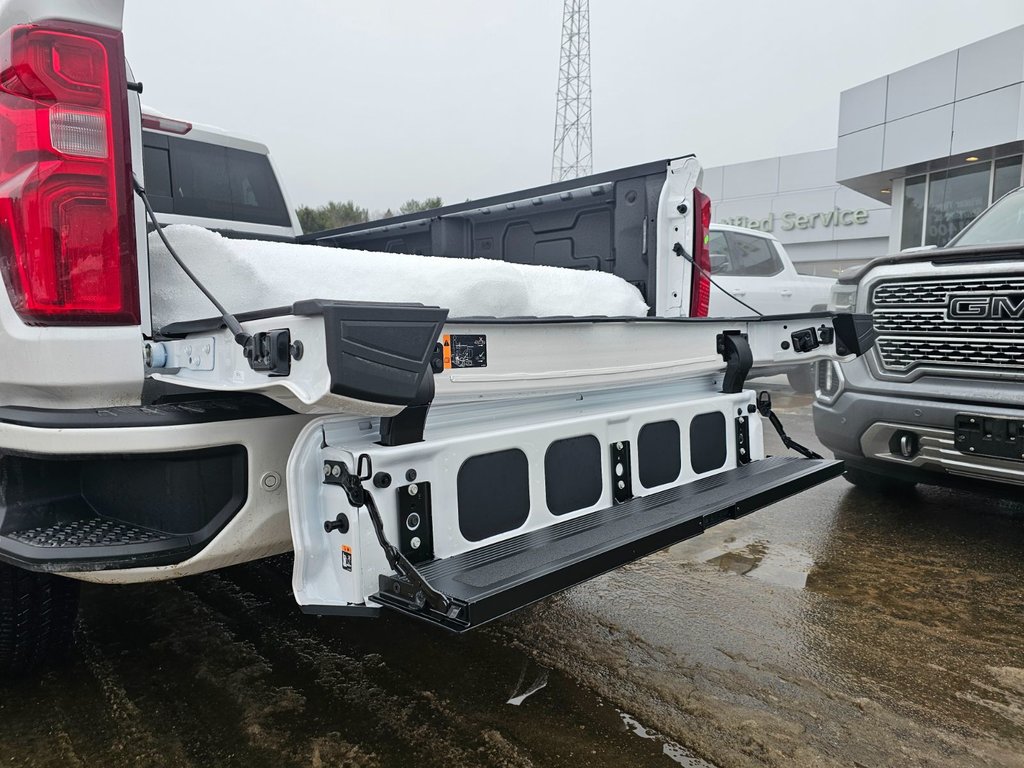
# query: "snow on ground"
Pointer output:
{"type": "Point", "coordinates": [248, 275]}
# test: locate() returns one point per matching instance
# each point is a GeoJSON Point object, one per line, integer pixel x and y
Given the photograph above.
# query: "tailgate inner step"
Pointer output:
{"type": "Point", "coordinates": [496, 579]}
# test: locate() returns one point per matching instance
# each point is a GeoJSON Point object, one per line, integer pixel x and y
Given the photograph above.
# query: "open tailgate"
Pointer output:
{"type": "Point", "coordinates": [378, 359]}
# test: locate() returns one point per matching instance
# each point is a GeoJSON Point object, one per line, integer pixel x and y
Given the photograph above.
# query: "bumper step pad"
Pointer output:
{"type": "Point", "coordinates": [487, 583]}
{"type": "Point", "coordinates": [96, 532]}
{"type": "Point", "coordinates": [91, 543]}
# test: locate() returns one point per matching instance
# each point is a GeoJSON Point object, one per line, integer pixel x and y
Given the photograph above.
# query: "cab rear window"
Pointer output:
{"type": "Point", "coordinates": [195, 178]}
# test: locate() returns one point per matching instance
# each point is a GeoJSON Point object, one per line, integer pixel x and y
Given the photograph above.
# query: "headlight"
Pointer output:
{"type": "Point", "coordinates": [828, 381]}
{"type": "Point", "coordinates": [843, 297]}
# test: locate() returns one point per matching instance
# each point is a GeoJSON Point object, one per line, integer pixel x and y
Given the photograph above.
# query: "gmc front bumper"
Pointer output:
{"type": "Point", "coordinates": [865, 429]}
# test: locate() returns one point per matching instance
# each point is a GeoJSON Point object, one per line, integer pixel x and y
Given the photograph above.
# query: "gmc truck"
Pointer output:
{"type": "Point", "coordinates": [453, 469]}
{"type": "Point", "coordinates": [938, 400]}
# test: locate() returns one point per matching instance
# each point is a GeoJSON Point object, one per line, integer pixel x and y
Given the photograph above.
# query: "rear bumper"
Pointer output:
{"type": "Point", "coordinates": [859, 428]}
{"type": "Point", "coordinates": [144, 493]}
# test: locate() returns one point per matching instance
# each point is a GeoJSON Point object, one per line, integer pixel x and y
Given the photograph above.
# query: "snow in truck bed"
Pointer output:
{"type": "Point", "coordinates": [248, 275]}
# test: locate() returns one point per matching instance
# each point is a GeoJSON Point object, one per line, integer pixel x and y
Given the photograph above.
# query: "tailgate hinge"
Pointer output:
{"type": "Point", "coordinates": [352, 484]}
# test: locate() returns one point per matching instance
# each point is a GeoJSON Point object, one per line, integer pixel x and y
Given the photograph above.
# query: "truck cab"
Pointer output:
{"type": "Point", "coordinates": [212, 178]}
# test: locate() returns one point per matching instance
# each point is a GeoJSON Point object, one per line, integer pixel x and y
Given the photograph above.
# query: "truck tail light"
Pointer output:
{"type": "Point", "coordinates": [67, 224]}
{"type": "Point", "coordinates": [700, 282]}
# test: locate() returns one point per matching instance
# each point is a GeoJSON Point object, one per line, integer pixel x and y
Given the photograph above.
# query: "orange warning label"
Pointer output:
{"type": "Point", "coordinates": [461, 350]}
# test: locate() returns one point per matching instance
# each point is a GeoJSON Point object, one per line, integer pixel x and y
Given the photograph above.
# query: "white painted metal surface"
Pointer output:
{"type": "Point", "coordinates": [321, 576]}
{"type": "Point", "coordinates": [525, 359]}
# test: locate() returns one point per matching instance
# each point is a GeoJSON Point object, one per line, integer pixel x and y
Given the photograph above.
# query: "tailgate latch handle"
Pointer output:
{"type": "Point", "coordinates": [272, 352]}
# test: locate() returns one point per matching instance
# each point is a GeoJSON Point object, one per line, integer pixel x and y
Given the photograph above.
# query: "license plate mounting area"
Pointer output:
{"type": "Point", "coordinates": [979, 435]}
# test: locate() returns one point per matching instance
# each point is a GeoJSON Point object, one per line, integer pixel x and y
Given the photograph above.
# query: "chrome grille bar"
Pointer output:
{"type": "Point", "coordinates": [916, 331]}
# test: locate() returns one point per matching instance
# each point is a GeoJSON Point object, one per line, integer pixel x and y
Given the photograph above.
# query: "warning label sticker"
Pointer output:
{"type": "Point", "coordinates": [346, 557]}
{"type": "Point", "coordinates": [465, 351]}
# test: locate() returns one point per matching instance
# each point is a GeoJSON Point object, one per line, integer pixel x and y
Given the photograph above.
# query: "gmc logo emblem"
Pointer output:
{"type": "Point", "coordinates": [1009, 306]}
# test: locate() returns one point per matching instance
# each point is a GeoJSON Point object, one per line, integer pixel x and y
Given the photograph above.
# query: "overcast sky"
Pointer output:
{"type": "Point", "coordinates": [383, 100]}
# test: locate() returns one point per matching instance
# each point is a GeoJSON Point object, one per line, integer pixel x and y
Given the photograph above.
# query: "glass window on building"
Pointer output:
{"type": "Point", "coordinates": [1006, 176]}
{"type": "Point", "coordinates": [955, 197]}
{"type": "Point", "coordinates": [913, 212]}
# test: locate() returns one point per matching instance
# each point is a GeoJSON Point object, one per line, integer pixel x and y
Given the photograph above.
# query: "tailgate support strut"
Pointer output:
{"type": "Point", "coordinates": [764, 406]}
{"type": "Point", "coordinates": [352, 484]}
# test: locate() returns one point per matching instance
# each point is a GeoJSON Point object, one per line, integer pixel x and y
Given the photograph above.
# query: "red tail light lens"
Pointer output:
{"type": "Point", "coordinates": [700, 284]}
{"type": "Point", "coordinates": [67, 224]}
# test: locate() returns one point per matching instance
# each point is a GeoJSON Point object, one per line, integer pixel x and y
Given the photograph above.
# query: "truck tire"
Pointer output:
{"type": "Point", "coordinates": [801, 380]}
{"type": "Point", "coordinates": [877, 483]}
{"type": "Point", "coordinates": [37, 619]}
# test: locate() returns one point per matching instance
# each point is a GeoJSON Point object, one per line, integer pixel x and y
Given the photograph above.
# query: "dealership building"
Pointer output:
{"type": "Point", "coordinates": [920, 152]}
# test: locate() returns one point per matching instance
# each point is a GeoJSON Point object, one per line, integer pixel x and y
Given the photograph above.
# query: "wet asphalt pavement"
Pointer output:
{"type": "Point", "coordinates": [834, 628]}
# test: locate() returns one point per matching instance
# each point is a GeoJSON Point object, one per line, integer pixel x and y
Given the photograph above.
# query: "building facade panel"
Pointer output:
{"type": "Point", "coordinates": [760, 177]}
{"type": "Point", "coordinates": [942, 166]}
{"type": "Point", "coordinates": [918, 138]}
{"type": "Point", "coordinates": [860, 153]}
{"type": "Point", "coordinates": [712, 182]}
{"type": "Point", "coordinates": [807, 170]}
{"type": "Point", "coordinates": [922, 87]}
{"type": "Point", "coordinates": [817, 220]}
{"type": "Point", "coordinates": [991, 64]}
{"type": "Point", "coordinates": [863, 106]}
{"type": "Point", "coordinates": [987, 120]}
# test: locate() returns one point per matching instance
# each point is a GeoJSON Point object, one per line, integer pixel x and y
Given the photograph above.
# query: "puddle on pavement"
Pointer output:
{"type": "Point", "coordinates": [673, 751]}
{"type": "Point", "coordinates": [777, 564]}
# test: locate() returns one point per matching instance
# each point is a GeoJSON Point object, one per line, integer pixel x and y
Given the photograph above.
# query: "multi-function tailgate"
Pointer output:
{"type": "Point", "coordinates": [379, 359]}
{"type": "Point", "coordinates": [556, 449]}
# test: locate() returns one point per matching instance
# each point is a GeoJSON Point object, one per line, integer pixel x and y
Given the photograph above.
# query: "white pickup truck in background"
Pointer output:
{"type": "Point", "coordinates": [450, 468]}
{"type": "Point", "coordinates": [753, 267]}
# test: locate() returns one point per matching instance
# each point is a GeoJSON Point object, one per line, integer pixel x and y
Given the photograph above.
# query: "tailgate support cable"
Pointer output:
{"type": "Point", "coordinates": [358, 496]}
{"type": "Point", "coordinates": [764, 406]}
{"type": "Point", "coordinates": [244, 339]}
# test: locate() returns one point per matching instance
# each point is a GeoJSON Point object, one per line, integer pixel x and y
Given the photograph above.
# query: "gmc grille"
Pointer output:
{"type": "Point", "coordinates": [915, 328]}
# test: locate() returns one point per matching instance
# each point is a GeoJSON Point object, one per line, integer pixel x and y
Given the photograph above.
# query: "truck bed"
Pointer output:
{"type": "Point", "coordinates": [606, 222]}
{"type": "Point", "coordinates": [249, 275]}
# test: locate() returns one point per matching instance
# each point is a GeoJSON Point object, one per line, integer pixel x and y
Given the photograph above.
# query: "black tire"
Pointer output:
{"type": "Point", "coordinates": [801, 380]}
{"type": "Point", "coordinates": [37, 620]}
{"type": "Point", "coordinates": [878, 483]}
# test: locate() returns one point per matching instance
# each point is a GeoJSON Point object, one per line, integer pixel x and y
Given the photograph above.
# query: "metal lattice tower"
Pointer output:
{"type": "Point", "coordinates": [573, 155]}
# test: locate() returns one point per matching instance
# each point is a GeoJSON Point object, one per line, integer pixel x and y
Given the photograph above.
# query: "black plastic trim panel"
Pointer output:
{"type": "Point", "coordinates": [110, 511]}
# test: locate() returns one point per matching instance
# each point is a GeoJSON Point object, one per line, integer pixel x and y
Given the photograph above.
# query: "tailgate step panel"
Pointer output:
{"type": "Point", "coordinates": [494, 580]}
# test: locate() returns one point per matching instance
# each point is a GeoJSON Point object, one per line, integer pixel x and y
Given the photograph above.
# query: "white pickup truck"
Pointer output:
{"type": "Point", "coordinates": [450, 468]}
{"type": "Point", "coordinates": [753, 266]}
{"type": "Point", "coordinates": [751, 269]}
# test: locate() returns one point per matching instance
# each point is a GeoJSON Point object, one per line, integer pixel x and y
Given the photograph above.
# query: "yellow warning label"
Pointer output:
{"type": "Point", "coordinates": [447, 351]}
